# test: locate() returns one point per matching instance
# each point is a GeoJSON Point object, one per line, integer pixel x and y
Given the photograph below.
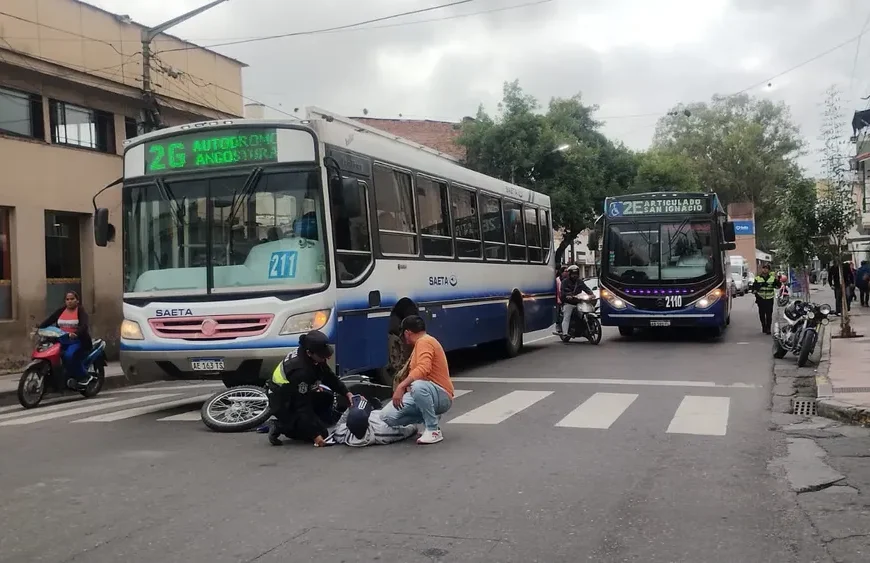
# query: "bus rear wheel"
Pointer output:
{"type": "Point", "coordinates": [513, 344]}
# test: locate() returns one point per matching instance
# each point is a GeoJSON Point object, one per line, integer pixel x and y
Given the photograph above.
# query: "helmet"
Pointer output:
{"type": "Point", "coordinates": [317, 343]}
{"type": "Point", "coordinates": [573, 269]}
{"type": "Point", "coordinates": [358, 416]}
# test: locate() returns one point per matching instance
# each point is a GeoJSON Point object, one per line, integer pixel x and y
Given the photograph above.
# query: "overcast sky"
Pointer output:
{"type": "Point", "coordinates": [630, 57]}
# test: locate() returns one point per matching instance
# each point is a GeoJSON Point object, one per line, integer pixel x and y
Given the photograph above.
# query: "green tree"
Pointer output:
{"type": "Point", "coordinates": [796, 227]}
{"type": "Point", "coordinates": [560, 152]}
{"type": "Point", "coordinates": [742, 148]}
{"type": "Point", "coordinates": [663, 170]}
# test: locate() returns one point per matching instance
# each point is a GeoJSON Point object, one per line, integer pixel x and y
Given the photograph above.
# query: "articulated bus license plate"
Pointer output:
{"type": "Point", "coordinates": [665, 322]}
{"type": "Point", "coordinates": [207, 364]}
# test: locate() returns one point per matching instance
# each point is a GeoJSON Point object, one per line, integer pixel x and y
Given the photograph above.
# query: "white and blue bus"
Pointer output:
{"type": "Point", "coordinates": [240, 235]}
{"type": "Point", "coordinates": [664, 262]}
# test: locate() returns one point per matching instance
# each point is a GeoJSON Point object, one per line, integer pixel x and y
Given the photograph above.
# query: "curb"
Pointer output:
{"type": "Point", "coordinates": [113, 381]}
{"type": "Point", "coordinates": [843, 412]}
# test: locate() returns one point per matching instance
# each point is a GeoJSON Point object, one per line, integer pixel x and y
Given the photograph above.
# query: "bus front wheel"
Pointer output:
{"type": "Point", "coordinates": [513, 344]}
{"type": "Point", "coordinates": [626, 331]}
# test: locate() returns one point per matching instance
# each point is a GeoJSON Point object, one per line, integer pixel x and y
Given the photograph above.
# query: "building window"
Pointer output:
{"type": "Point", "coordinates": [82, 127]}
{"type": "Point", "coordinates": [63, 264]}
{"type": "Point", "coordinates": [131, 128]}
{"type": "Point", "coordinates": [434, 217]}
{"type": "Point", "coordinates": [5, 264]}
{"type": "Point", "coordinates": [493, 228]}
{"type": "Point", "coordinates": [397, 228]}
{"type": "Point", "coordinates": [466, 223]}
{"type": "Point", "coordinates": [516, 238]}
{"type": "Point", "coordinates": [533, 234]}
{"type": "Point", "coordinates": [21, 114]}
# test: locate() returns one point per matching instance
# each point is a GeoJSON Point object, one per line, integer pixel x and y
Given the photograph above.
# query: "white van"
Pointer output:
{"type": "Point", "coordinates": [739, 275]}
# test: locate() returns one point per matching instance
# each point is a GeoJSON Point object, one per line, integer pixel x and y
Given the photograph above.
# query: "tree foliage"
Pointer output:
{"type": "Point", "coordinates": [796, 226]}
{"type": "Point", "coordinates": [740, 147]}
{"type": "Point", "coordinates": [662, 170]}
{"type": "Point", "coordinates": [560, 152]}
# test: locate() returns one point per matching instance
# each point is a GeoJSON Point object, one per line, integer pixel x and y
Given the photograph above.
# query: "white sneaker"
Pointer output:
{"type": "Point", "coordinates": [430, 437]}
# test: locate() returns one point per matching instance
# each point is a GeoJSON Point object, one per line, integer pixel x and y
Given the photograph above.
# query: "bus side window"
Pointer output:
{"type": "Point", "coordinates": [533, 234]}
{"type": "Point", "coordinates": [353, 247]}
{"type": "Point", "coordinates": [434, 217]}
{"type": "Point", "coordinates": [394, 197]}
{"type": "Point", "coordinates": [493, 227]}
{"type": "Point", "coordinates": [466, 222]}
{"type": "Point", "coordinates": [546, 234]}
{"type": "Point", "coordinates": [514, 227]}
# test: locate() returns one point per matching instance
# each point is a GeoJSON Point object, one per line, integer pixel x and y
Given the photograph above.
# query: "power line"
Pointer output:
{"type": "Point", "coordinates": [327, 29]}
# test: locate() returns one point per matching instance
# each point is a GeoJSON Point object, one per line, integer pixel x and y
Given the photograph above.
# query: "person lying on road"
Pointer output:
{"type": "Point", "coordinates": [298, 404]}
{"type": "Point", "coordinates": [363, 425]}
{"type": "Point", "coordinates": [427, 392]}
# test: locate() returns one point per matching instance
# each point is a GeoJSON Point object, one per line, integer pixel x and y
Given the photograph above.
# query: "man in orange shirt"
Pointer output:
{"type": "Point", "coordinates": [427, 392]}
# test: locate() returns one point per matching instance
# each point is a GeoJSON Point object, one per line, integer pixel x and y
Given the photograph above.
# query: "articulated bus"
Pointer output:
{"type": "Point", "coordinates": [664, 262]}
{"type": "Point", "coordinates": [241, 235]}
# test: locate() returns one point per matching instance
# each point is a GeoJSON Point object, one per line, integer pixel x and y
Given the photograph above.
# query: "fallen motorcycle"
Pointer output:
{"type": "Point", "coordinates": [799, 331]}
{"type": "Point", "coordinates": [246, 407]}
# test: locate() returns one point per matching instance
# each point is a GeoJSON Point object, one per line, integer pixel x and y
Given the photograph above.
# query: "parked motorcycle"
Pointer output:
{"type": "Point", "coordinates": [783, 295]}
{"type": "Point", "coordinates": [584, 321]}
{"type": "Point", "coordinates": [799, 332]}
{"type": "Point", "coordinates": [45, 374]}
{"type": "Point", "coordinates": [243, 408]}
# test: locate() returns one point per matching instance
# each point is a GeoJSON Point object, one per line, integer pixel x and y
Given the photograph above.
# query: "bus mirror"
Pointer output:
{"type": "Point", "coordinates": [729, 246]}
{"type": "Point", "coordinates": [351, 198]}
{"type": "Point", "coordinates": [728, 232]}
{"type": "Point", "coordinates": [101, 226]}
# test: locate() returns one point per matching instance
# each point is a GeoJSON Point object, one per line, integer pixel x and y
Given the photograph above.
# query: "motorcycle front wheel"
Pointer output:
{"type": "Point", "coordinates": [593, 329]}
{"type": "Point", "coordinates": [31, 387]}
{"type": "Point", "coordinates": [237, 409]}
{"type": "Point", "coordinates": [807, 346]}
{"type": "Point", "coordinates": [96, 384]}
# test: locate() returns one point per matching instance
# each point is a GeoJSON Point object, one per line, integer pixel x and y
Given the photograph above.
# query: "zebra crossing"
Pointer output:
{"type": "Point", "coordinates": [696, 414]}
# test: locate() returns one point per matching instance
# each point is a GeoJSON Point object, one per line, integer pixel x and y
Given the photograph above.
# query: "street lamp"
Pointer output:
{"type": "Point", "coordinates": [148, 35]}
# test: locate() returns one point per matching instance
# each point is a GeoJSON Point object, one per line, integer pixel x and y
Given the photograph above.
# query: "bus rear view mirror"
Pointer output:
{"type": "Point", "coordinates": [101, 226]}
{"type": "Point", "coordinates": [728, 232]}
{"type": "Point", "coordinates": [352, 202]}
{"type": "Point", "coordinates": [729, 246]}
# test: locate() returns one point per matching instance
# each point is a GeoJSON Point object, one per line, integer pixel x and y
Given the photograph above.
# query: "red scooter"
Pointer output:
{"type": "Point", "coordinates": [46, 374]}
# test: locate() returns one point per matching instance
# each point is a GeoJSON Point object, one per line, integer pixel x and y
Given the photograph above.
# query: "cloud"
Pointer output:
{"type": "Point", "coordinates": [631, 57]}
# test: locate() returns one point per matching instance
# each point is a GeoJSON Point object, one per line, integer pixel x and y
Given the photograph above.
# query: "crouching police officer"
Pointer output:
{"type": "Point", "coordinates": [765, 286]}
{"type": "Point", "coordinates": [300, 407]}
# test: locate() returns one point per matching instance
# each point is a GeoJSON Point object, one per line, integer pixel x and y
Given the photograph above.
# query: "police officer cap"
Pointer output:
{"type": "Point", "coordinates": [317, 343]}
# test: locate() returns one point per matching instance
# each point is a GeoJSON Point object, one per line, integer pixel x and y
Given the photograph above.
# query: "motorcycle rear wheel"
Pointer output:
{"type": "Point", "coordinates": [31, 387]}
{"type": "Point", "coordinates": [237, 409]}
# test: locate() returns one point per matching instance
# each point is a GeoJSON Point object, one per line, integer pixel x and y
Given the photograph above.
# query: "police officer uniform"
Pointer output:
{"type": "Point", "coordinates": [765, 290]}
{"type": "Point", "coordinates": [300, 408]}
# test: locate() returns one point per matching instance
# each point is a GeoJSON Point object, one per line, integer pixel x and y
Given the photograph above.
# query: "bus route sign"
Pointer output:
{"type": "Point", "coordinates": [659, 206]}
{"type": "Point", "coordinates": [211, 149]}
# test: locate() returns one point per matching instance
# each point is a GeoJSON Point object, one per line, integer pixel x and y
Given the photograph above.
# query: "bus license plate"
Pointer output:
{"type": "Point", "coordinates": [211, 364]}
{"type": "Point", "coordinates": [660, 323]}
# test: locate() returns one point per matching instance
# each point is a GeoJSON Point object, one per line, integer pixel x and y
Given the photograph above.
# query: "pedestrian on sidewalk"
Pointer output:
{"type": "Point", "coordinates": [834, 274]}
{"type": "Point", "coordinates": [427, 391]}
{"type": "Point", "coordinates": [862, 280]}
{"type": "Point", "coordinates": [764, 286]}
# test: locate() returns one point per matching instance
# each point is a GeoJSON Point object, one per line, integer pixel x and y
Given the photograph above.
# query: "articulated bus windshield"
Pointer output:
{"type": "Point", "coordinates": [660, 251]}
{"type": "Point", "coordinates": [260, 229]}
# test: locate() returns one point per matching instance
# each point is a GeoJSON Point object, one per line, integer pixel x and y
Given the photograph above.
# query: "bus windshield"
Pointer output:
{"type": "Point", "coordinates": [660, 251]}
{"type": "Point", "coordinates": [227, 233]}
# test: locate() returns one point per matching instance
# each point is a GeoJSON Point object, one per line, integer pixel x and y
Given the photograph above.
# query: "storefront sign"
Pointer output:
{"type": "Point", "coordinates": [744, 227]}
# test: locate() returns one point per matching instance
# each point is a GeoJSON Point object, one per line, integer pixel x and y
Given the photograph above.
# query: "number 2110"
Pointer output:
{"type": "Point", "coordinates": [673, 301]}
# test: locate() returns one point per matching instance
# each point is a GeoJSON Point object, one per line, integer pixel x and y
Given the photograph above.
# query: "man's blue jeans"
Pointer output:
{"type": "Point", "coordinates": [423, 402]}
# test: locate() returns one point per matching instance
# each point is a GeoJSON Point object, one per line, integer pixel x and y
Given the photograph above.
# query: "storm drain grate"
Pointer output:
{"type": "Point", "coordinates": [804, 407]}
{"type": "Point", "coordinates": [851, 389]}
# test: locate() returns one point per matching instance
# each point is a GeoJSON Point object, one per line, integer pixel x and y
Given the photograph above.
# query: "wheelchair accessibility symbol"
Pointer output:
{"type": "Point", "coordinates": [615, 209]}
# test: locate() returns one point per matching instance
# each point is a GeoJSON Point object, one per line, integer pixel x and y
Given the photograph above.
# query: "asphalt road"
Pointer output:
{"type": "Point", "coordinates": [665, 461]}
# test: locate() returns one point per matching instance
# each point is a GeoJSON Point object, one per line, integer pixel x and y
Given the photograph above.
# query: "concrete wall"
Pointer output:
{"type": "Point", "coordinates": [745, 243]}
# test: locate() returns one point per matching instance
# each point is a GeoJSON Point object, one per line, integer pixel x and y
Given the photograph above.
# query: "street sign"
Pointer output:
{"type": "Point", "coordinates": [744, 227]}
{"type": "Point", "coordinates": [669, 205]}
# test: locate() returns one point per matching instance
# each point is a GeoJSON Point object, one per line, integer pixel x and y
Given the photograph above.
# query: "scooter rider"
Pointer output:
{"type": "Point", "coordinates": [296, 397]}
{"type": "Point", "coordinates": [571, 288]}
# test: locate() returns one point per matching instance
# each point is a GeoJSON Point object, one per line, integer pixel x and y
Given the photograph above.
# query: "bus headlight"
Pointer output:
{"type": "Point", "coordinates": [709, 300]}
{"type": "Point", "coordinates": [613, 300]}
{"type": "Point", "coordinates": [130, 330]}
{"type": "Point", "coordinates": [304, 322]}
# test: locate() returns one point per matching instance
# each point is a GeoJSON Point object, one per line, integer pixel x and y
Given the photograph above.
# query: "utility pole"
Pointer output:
{"type": "Point", "coordinates": [151, 113]}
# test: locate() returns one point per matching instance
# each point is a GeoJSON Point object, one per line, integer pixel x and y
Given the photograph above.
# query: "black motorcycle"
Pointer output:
{"type": "Point", "coordinates": [798, 333]}
{"type": "Point", "coordinates": [584, 322]}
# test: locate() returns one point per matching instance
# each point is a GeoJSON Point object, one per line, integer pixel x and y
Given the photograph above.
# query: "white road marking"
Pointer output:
{"type": "Point", "coordinates": [130, 413]}
{"type": "Point", "coordinates": [502, 408]}
{"type": "Point", "coordinates": [539, 339]}
{"type": "Point", "coordinates": [90, 407]}
{"type": "Point", "coordinates": [20, 411]}
{"type": "Point", "coordinates": [639, 382]}
{"type": "Point", "coordinates": [460, 392]}
{"type": "Point", "coordinates": [599, 411]}
{"type": "Point", "coordinates": [11, 408]}
{"type": "Point", "coordinates": [702, 416]}
{"type": "Point", "coordinates": [183, 417]}
{"type": "Point", "coordinates": [167, 388]}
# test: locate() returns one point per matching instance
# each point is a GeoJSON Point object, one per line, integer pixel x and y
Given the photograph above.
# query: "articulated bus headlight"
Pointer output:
{"type": "Point", "coordinates": [304, 322]}
{"type": "Point", "coordinates": [613, 300]}
{"type": "Point", "coordinates": [130, 330]}
{"type": "Point", "coordinates": [709, 299]}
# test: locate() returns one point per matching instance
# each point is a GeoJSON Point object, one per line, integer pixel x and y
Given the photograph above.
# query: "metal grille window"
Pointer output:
{"type": "Point", "coordinates": [82, 127]}
{"type": "Point", "coordinates": [516, 238]}
{"type": "Point", "coordinates": [21, 114]}
{"type": "Point", "coordinates": [397, 228]}
{"type": "Point", "coordinates": [434, 217]}
{"type": "Point", "coordinates": [466, 223]}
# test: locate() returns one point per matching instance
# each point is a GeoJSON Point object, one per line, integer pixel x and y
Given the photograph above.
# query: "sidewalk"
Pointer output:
{"type": "Point", "coordinates": [844, 392]}
{"type": "Point", "coordinates": [114, 378]}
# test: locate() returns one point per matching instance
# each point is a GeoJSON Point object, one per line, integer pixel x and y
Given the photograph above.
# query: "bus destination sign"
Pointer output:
{"type": "Point", "coordinates": [211, 149]}
{"type": "Point", "coordinates": [659, 206]}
